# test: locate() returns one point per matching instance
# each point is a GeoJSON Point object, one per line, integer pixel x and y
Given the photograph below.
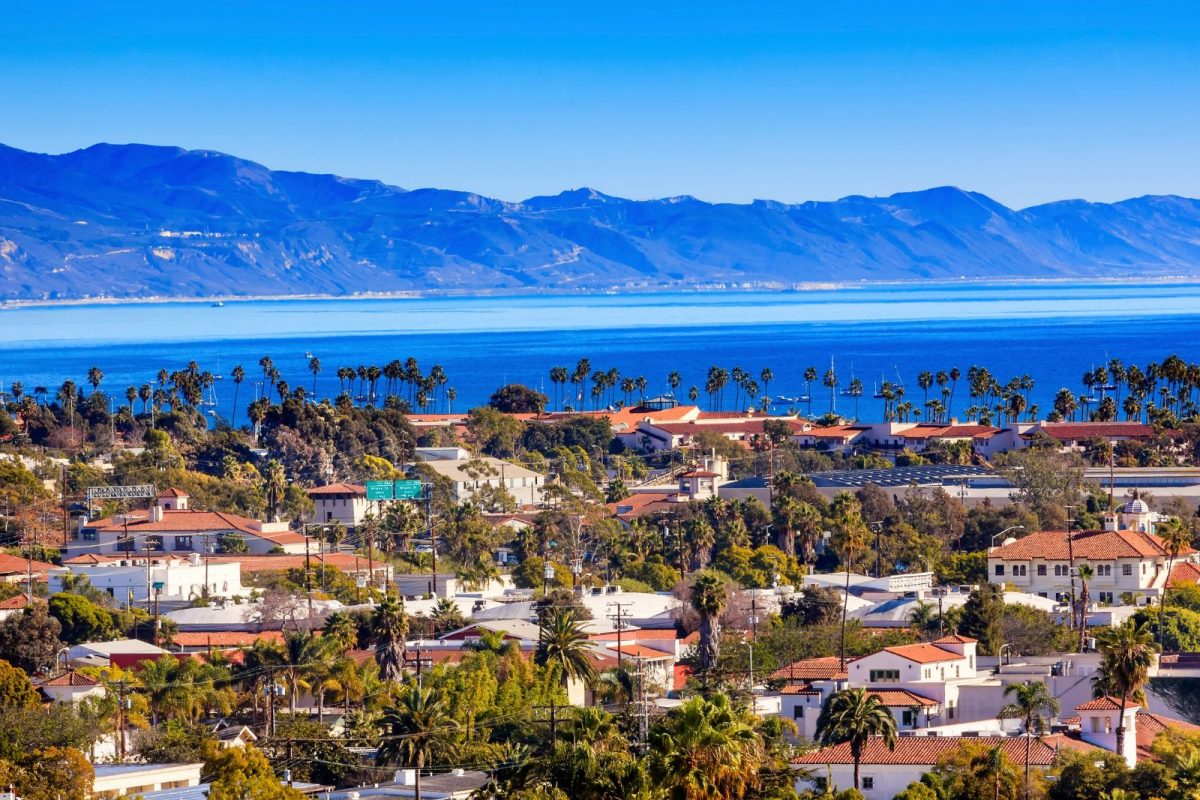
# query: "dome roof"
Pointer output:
{"type": "Point", "coordinates": [1136, 506]}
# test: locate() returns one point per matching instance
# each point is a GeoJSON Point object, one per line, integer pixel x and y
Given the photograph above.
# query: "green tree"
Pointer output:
{"type": "Point", "coordinates": [563, 644]}
{"type": "Point", "coordinates": [391, 627]}
{"type": "Point", "coordinates": [854, 716]}
{"type": "Point", "coordinates": [1127, 653]}
{"type": "Point", "coordinates": [30, 640]}
{"type": "Point", "coordinates": [243, 773]}
{"type": "Point", "coordinates": [983, 617]}
{"type": "Point", "coordinates": [81, 619]}
{"type": "Point", "coordinates": [421, 729]}
{"type": "Point", "coordinates": [1033, 704]}
{"type": "Point", "coordinates": [1176, 536]}
{"type": "Point", "coordinates": [708, 596]}
{"type": "Point", "coordinates": [707, 750]}
{"type": "Point", "coordinates": [15, 689]}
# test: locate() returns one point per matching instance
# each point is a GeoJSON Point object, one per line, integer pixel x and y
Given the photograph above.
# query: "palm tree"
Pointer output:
{"type": "Point", "coordinates": [341, 628]}
{"type": "Point", "coordinates": [1175, 537]}
{"type": "Point", "coordinates": [421, 728]}
{"type": "Point", "coordinates": [563, 644]}
{"type": "Point", "coordinates": [853, 716]}
{"type": "Point", "coordinates": [314, 366]}
{"type": "Point", "coordinates": [301, 655]}
{"type": "Point", "coordinates": [707, 750]}
{"type": "Point", "coordinates": [830, 381]}
{"type": "Point", "coordinates": [1127, 653]}
{"type": "Point", "coordinates": [391, 627]}
{"type": "Point", "coordinates": [852, 538]}
{"type": "Point", "coordinates": [1086, 572]}
{"type": "Point", "coordinates": [708, 597]}
{"type": "Point", "coordinates": [1035, 707]}
{"type": "Point", "coordinates": [238, 373]}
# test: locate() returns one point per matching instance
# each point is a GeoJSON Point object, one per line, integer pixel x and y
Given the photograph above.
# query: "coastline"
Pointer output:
{"type": "Point", "coordinates": [742, 288]}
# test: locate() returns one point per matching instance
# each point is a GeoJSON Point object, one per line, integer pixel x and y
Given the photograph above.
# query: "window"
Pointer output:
{"type": "Point", "coordinates": [868, 782]}
{"type": "Point", "coordinates": [1041, 570]}
{"type": "Point", "coordinates": [154, 544]}
{"type": "Point", "coordinates": [1127, 569]}
{"type": "Point", "coordinates": [906, 718]}
{"type": "Point", "coordinates": [1104, 570]}
{"type": "Point", "coordinates": [1106, 597]}
{"type": "Point", "coordinates": [798, 711]}
{"type": "Point", "coordinates": [999, 569]}
{"type": "Point", "coordinates": [183, 543]}
{"type": "Point", "coordinates": [885, 676]}
{"type": "Point", "coordinates": [89, 534]}
{"type": "Point", "coordinates": [1059, 570]}
{"type": "Point", "coordinates": [1023, 570]}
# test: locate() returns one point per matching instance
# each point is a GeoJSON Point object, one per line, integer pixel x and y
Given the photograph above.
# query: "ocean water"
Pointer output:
{"type": "Point", "coordinates": [1050, 331]}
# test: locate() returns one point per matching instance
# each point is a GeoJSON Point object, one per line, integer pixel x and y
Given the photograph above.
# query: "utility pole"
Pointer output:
{"type": "Point", "coordinates": [878, 528]}
{"type": "Point", "coordinates": [308, 582]}
{"type": "Point", "coordinates": [618, 617]}
{"type": "Point", "coordinates": [1071, 557]}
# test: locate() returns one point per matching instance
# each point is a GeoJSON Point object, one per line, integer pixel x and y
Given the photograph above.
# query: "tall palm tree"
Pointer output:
{"type": "Point", "coordinates": [314, 366]}
{"type": "Point", "coordinates": [1127, 653]}
{"type": "Point", "coordinates": [420, 728]}
{"type": "Point", "coordinates": [238, 374]}
{"type": "Point", "coordinates": [563, 644]}
{"type": "Point", "coordinates": [1034, 705]}
{"type": "Point", "coordinates": [852, 537]}
{"type": "Point", "coordinates": [391, 628]}
{"type": "Point", "coordinates": [1086, 572]}
{"type": "Point", "coordinates": [708, 597]}
{"type": "Point", "coordinates": [1175, 536]}
{"type": "Point", "coordinates": [853, 716]}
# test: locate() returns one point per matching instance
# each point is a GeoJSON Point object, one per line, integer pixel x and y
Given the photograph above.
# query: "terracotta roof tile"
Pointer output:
{"type": "Point", "coordinates": [1088, 546]}
{"type": "Point", "coordinates": [1065, 431]}
{"type": "Point", "coordinates": [224, 638]}
{"type": "Point", "coordinates": [1105, 704]}
{"type": "Point", "coordinates": [799, 689]}
{"type": "Point", "coordinates": [1184, 574]}
{"type": "Point", "coordinates": [71, 678]}
{"type": "Point", "coordinates": [1148, 726]}
{"type": "Point", "coordinates": [902, 698]}
{"type": "Point", "coordinates": [826, 668]}
{"type": "Point", "coordinates": [338, 488]}
{"type": "Point", "coordinates": [927, 750]}
{"type": "Point", "coordinates": [923, 653]}
{"type": "Point", "coordinates": [955, 638]}
{"type": "Point", "coordinates": [12, 565]}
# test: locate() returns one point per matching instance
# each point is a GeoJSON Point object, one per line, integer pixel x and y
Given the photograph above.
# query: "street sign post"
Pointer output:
{"type": "Point", "coordinates": [408, 490]}
{"type": "Point", "coordinates": [380, 490]}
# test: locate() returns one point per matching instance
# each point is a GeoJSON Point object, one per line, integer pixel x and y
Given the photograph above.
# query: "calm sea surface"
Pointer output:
{"type": "Point", "coordinates": [1053, 332]}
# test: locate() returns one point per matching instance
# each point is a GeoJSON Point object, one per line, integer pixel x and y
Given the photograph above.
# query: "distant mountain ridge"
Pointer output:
{"type": "Point", "coordinates": [149, 221]}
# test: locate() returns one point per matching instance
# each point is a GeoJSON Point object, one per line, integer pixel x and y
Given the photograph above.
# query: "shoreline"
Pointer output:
{"type": "Point", "coordinates": [765, 288]}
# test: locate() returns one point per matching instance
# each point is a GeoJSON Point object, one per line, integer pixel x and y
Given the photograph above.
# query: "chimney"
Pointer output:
{"type": "Point", "coordinates": [194, 559]}
{"type": "Point", "coordinates": [406, 777]}
{"type": "Point", "coordinates": [156, 513]}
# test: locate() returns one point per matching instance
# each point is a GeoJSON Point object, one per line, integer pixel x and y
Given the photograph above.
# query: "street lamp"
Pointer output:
{"type": "Point", "coordinates": [1006, 530]}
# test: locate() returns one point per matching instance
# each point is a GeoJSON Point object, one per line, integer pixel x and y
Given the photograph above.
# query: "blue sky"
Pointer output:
{"type": "Point", "coordinates": [1026, 102]}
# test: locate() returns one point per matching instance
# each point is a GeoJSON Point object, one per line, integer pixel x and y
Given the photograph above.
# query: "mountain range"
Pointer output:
{"type": "Point", "coordinates": [149, 221]}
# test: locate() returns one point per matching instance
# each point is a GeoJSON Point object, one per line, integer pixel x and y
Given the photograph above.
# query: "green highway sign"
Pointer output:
{"type": "Point", "coordinates": [379, 490]}
{"type": "Point", "coordinates": [408, 490]}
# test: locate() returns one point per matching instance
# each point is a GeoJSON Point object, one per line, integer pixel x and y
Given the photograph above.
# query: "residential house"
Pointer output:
{"type": "Point", "coordinates": [168, 580]}
{"type": "Point", "coordinates": [1127, 560]}
{"type": "Point", "coordinates": [340, 502]}
{"type": "Point", "coordinates": [69, 687]}
{"type": "Point", "coordinates": [171, 526]}
{"type": "Point", "coordinates": [468, 476]}
{"type": "Point", "coordinates": [131, 780]}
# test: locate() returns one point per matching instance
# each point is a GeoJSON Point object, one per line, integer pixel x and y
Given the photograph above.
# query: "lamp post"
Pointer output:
{"type": "Point", "coordinates": [1006, 530]}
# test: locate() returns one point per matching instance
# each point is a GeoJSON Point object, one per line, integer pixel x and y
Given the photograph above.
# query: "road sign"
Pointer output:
{"type": "Point", "coordinates": [119, 492]}
{"type": "Point", "coordinates": [408, 490]}
{"type": "Point", "coordinates": [379, 490]}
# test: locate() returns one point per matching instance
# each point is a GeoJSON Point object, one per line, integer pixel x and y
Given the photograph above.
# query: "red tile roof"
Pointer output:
{"type": "Point", "coordinates": [224, 638]}
{"type": "Point", "coordinates": [15, 602]}
{"type": "Point", "coordinates": [70, 678]}
{"type": "Point", "coordinates": [1105, 704]}
{"type": "Point", "coordinates": [927, 750]}
{"type": "Point", "coordinates": [338, 488]}
{"type": "Point", "coordinates": [642, 504]}
{"type": "Point", "coordinates": [1148, 726]}
{"type": "Point", "coordinates": [902, 698]}
{"type": "Point", "coordinates": [956, 638]}
{"type": "Point", "coordinates": [1088, 546]}
{"type": "Point", "coordinates": [933, 431]}
{"type": "Point", "coordinates": [923, 653]}
{"type": "Point", "coordinates": [13, 565]}
{"type": "Point", "coordinates": [1068, 431]}
{"type": "Point", "coordinates": [1184, 574]}
{"type": "Point", "coordinates": [799, 689]}
{"type": "Point", "coordinates": [173, 492]}
{"type": "Point", "coordinates": [825, 668]}
{"type": "Point", "coordinates": [187, 521]}
{"type": "Point", "coordinates": [641, 651]}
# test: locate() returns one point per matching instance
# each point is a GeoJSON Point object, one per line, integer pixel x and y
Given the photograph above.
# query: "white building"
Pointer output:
{"type": "Point", "coordinates": [885, 772]}
{"type": "Point", "coordinates": [468, 476]}
{"type": "Point", "coordinates": [130, 780]}
{"type": "Point", "coordinates": [69, 687]}
{"type": "Point", "coordinates": [1126, 559]}
{"type": "Point", "coordinates": [169, 580]}
{"type": "Point", "coordinates": [171, 526]}
{"type": "Point", "coordinates": [340, 502]}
